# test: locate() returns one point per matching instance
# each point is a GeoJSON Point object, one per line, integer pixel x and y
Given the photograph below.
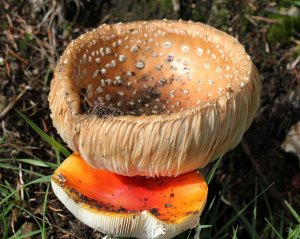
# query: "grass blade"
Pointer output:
{"type": "Point", "coordinates": [43, 179]}
{"type": "Point", "coordinates": [273, 229]}
{"type": "Point", "coordinates": [292, 210]}
{"type": "Point", "coordinates": [26, 235]}
{"type": "Point", "coordinates": [44, 136]}
{"type": "Point", "coordinates": [254, 219]}
{"type": "Point", "coordinates": [44, 234]}
{"type": "Point", "coordinates": [234, 236]}
{"type": "Point", "coordinates": [238, 214]}
{"type": "Point", "coordinates": [213, 171]}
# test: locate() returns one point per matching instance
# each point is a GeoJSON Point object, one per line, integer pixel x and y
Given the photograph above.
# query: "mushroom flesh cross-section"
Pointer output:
{"type": "Point", "coordinates": [130, 206]}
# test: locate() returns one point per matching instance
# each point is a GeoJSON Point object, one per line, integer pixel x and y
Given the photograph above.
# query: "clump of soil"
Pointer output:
{"type": "Point", "coordinates": [104, 111]}
{"type": "Point", "coordinates": [143, 102]}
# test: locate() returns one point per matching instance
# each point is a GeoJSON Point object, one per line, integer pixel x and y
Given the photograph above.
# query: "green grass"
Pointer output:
{"type": "Point", "coordinates": [13, 204]}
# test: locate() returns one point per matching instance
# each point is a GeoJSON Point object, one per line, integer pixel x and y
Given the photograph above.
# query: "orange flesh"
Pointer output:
{"type": "Point", "coordinates": [176, 72]}
{"type": "Point", "coordinates": [170, 199]}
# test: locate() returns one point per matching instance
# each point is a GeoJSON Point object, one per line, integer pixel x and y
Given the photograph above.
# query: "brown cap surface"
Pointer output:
{"type": "Point", "coordinates": [157, 98]}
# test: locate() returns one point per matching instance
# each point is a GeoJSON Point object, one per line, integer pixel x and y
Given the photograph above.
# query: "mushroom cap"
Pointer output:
{"type": "Point", "coordinates": [130, 206]}
{"type": "Point", "coordinates": [156, 98]}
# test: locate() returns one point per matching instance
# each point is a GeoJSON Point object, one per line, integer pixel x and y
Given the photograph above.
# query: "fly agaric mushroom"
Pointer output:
{"type": "Point", "coordinates": [130, 206]}
{"type": "Point", "coordinates": [157, 98]}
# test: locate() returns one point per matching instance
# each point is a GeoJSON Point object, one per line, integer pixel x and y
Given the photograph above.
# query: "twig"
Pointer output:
{"type": "Point", "coordinates": [264, 19]}
{"type": "Point", "coordinates": [18, 57]}
{"type": "Point", "coordinates": [294, 64]}
{"type": "Point", "coordinates": [11, 105]}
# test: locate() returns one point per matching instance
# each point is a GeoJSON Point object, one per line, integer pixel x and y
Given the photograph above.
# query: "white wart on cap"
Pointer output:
{"type": "Point", "coordinates": [157, 98]}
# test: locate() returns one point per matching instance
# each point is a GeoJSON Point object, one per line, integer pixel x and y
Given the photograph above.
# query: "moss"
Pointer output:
{"type": "Point", "coordinates": [220, 14]}
{"type": "Point", "coordinates": [284, 30]}
{"type": "Point", "coordinates": [25, 42]}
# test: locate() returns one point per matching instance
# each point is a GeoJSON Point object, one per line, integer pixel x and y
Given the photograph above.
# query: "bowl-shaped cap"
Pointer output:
{"type": "Point", "coordinates": [156, 98]}
{"type": "Point", "coordinates": [130, 206]}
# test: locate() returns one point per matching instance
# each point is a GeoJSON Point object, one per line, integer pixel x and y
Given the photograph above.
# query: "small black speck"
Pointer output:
{"type": "Point", "coordinates": [154, 211]}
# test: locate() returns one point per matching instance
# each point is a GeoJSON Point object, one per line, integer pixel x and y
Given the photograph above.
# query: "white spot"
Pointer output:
{"type": "Point", "coordinates": [211, 82]}
{"type": "Point", "coordinates": [120, 42]}
{"type": "Point", "coordinates": [102, 51]}
{"type": "Point", "coordinates": [185, 92]}
{"type": "Point", "coordinates": [99, 89]}
{"type": "Point", "coordinates": [118, 80]}
{"type": "Point", "coordinates": [206, 66]}
{"type": "Point", "coordinates": [242, 84]}
{"type": "Point", "coordinates": [90, 59]}
{"type": "Point", "coordinates": [84, 58]}
{"type": "Point", "coordinates": [65, 61]}
{"type": "Point", "coordinates": [218, 70]}
{"type": "Point", "coordinates": [129, 83]}
{"type": "Point", "coordinates": [121, 93]}
{"type": "Point", "coordinates": [109, 82]}
{"type": "Point", "coordinates": [115, 44]}
{"type": "Point", "coordinates": [113, 63]}
{"type": "Point", "coordinates": [103, 71]}
{"type": "Point", "coordinates": [167, 44]}
{"type": "Point", "coordinates": [172, 93]}
{"type": "Point", "coordinates": [199, 51]}
{"type": "Point", "coordinates": [122, 58]}
{"type": "Point", "coordinates": [100, 99]}
{"type": "Point", "coordinates": [134, 48]}
{"type": "Point", "coordinates": [154, 54]}
{"type": "Point", "coordinates": [185, 48]}
{"type": "Point", "coordinates": [103, 82]}
{"type": "Point", "coordinates": [98, 60]}
{"type": "Point", "coordinates": [90, 87]}
{"type": "Point", "coordinates": [108, 97]}
{"type": "Point", "coordinates": [140, 65]}
{"type": "Point", "coordinates": [107, 50]}
{"type": "Point", "coordinates": [95, 74]}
